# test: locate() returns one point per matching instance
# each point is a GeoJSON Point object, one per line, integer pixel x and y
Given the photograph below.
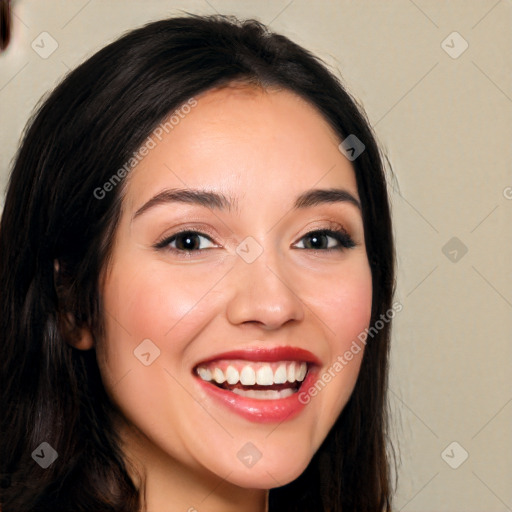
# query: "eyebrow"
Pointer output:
{"type": "Point", "coordinates": [217, 201]}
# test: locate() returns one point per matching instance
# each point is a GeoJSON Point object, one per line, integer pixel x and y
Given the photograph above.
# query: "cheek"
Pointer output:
{"type": "Point", "coordinates": [342, 300]}
{"type": "Point", "coordinates": [170, 309]}
{"type": "Point", "coordinates": [154, 303]}
{"type": "Point", "coordinates": [150, 302]}
{"type": "Point", "coordinates": [347, 308]}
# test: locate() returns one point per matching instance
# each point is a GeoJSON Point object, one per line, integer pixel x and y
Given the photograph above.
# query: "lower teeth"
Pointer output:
{"type": "Point", "coordinates": [266, 394]}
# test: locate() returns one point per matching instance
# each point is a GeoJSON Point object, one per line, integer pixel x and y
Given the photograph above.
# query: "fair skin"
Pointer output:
{"type": "Point", "coordinates": [263, 149]}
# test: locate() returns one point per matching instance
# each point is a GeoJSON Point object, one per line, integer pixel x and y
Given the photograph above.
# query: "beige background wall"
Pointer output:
{"type": "Point", "coordinates": [445, 123]}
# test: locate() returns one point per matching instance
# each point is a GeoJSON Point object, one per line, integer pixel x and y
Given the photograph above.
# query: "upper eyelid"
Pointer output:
{"type": "Point", "coordinates": [328, 223]}
{"type": "Point", "coordinates": [199, 229]}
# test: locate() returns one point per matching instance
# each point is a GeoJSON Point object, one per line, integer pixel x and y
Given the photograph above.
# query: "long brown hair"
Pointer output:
{"type": "Point", "coordinates": [80, 136]}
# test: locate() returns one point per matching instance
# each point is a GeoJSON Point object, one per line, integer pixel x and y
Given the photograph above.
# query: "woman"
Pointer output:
{"type": "Point", "coordinates": [196, 248]}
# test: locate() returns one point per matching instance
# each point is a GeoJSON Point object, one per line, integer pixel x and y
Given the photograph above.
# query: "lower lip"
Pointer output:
{"type": "Point", "coordinates": [261, 411]}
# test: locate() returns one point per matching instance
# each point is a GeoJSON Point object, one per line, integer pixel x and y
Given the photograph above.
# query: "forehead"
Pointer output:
{"type": "Point", "coordinates": [243, 140]}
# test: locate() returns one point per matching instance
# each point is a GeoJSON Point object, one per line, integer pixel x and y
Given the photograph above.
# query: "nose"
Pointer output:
{"type": "Point", "coordinates": [263, 294]}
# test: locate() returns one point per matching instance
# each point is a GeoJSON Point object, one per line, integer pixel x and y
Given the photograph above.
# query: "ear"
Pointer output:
{"type": "Point", "coordinates": [79, 337]}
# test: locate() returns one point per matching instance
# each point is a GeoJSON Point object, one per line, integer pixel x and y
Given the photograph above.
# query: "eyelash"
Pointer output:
{"type": "Point", "coordinates": [344, 240]}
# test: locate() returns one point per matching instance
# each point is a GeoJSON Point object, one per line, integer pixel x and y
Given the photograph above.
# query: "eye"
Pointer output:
{"type": "Point", "coordinates": [327, 240]}
{"type": "Point", "coordinates": [188, 241]}
{"type": "Point", "coordinates": [185, 241]}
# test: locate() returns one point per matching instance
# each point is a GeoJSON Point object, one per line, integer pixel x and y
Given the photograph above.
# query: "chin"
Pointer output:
{"type": "Point", "coordinates": [269, 474]}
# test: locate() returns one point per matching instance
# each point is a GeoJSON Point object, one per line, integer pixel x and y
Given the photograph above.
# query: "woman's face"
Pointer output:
{"type": "Point", "coordinates": [252, 292]}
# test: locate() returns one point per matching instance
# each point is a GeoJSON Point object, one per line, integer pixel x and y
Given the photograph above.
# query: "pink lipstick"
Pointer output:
{"type": "Point", "coordinates": [260, 384]}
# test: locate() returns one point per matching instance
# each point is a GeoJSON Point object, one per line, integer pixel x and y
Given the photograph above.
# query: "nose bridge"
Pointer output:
{"type": "Point", "coordinates": [262, 290]}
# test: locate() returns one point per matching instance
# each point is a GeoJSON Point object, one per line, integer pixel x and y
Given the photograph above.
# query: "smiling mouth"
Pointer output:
{"type": "Point", "coordinates": [252, 379]}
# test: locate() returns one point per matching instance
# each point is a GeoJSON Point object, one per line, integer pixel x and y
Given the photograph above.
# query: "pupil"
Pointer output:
{"type": "Point", "coordinates": [188, 242]}
{"type": "Point", "coordinates": [316, 241]}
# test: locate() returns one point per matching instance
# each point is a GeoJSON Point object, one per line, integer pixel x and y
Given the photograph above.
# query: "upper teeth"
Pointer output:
{"type": "Point", "coordinates": [249, 374]}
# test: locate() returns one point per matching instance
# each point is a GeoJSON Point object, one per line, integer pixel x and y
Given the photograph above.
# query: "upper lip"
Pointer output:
{"type": "Point", "coordinates": [266, 355]}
